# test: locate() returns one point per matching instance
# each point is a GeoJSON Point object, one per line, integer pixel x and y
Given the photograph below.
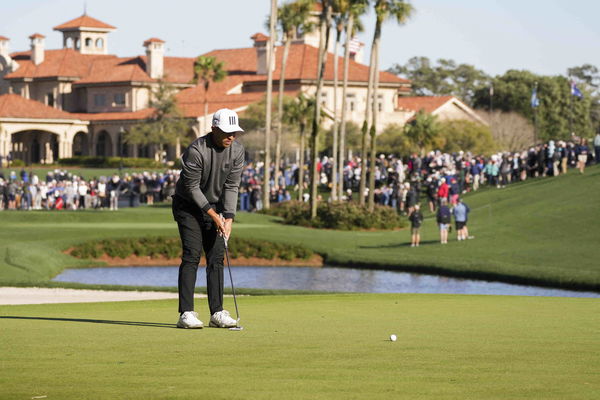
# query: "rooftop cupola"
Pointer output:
{"type": "Point", "coordinates": [86, 35]}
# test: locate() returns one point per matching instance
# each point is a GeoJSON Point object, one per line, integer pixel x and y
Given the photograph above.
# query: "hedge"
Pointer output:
{"type": "Point", "coordinates": [337, 215]}
{"type": "Point", "coordinates": [110, 162]}
{"type": "Point", "coordinates": [170, 247]}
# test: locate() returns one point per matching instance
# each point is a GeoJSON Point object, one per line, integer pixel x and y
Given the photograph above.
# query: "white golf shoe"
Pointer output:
{"type": "Point", "coordinates": [222, 319]}
{"type": "Point", "coordinates": [189, 320]}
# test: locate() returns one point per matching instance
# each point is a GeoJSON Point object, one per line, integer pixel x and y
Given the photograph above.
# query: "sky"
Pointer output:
{"type": "Point", "coordinates": [542, 36]}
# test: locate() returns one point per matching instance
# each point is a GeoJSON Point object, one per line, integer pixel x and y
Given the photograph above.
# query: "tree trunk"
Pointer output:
{"type": "Point", "coordinates": [324, 31]}
{"type": "Point", "coordinates": [342, 155]}
{"type": "Point", "coordinates": [270, 62]}
{"type": "Point", "coordinates": [334, 152]}
{"type": "Point", "coordinates": [375, 50]}
{"type": "Point", "coordinates": [301, 161]}
{"type": "Point", "coordinates": [286, 50]}
{"type": "Point", "coordinates": [205, 119]}
{"type": "Point", "coordinates": [365, 133]}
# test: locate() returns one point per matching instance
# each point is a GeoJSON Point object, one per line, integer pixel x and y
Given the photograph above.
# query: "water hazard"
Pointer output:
{"type": "Point", "coordinates": [330, 279]}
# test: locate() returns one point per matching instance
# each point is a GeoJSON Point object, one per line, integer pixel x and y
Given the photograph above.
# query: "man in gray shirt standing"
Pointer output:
{"type": "Point", "coordinates": [204, 207]}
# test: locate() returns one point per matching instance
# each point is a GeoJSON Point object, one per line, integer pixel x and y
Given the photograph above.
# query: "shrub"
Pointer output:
{"type": "Point", "coordinates": [109, 162]}
{"type": "Point", "coordinates": [337, 215]}
{"type": "Point", "coordinates": [171, 248]}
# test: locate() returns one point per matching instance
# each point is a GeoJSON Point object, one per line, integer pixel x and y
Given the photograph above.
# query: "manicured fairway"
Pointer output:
{"type": "Point", "coordinates": [542, 231]}
{"type": "Point", "coordinates": [307, 347]}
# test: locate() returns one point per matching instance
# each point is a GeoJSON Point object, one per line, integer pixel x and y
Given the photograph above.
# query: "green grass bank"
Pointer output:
{"type": "Point", "coordinates": [307, 347]}
{"type": "Point", "coordinates": [542, 232]}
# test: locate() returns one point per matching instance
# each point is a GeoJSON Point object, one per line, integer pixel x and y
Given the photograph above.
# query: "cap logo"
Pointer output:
{"type": "Point", "coordinates": [232, 120]}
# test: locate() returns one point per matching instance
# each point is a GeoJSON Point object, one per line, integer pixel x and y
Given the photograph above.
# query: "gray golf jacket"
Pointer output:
{"type": "Point", "coordinates": [211, 176]}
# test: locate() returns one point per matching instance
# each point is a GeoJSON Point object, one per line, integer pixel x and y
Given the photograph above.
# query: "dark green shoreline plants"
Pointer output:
{"type": "Point", "coordinates": [342, 216]}
{"type": "Point", "coordinates": [170, 247]}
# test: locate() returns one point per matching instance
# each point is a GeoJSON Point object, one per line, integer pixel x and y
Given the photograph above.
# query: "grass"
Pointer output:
{"type": "Point", "coordinates": [537, 232]}
{"type": "Point", "coordinates": [307, 347]}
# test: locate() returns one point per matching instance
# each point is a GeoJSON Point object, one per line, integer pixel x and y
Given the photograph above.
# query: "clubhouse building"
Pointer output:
{"type": "Point", "coordinates": [80, 100]}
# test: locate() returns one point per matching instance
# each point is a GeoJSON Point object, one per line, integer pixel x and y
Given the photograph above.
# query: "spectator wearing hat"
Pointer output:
{"type": "Point", "coordinates": [582, 151]}
{"type": "Point", "coordinates": [443, 218]}
{"type": "Point", "coordinates": [461, 212]}
{"type": "Point", "coordinates": [416, 220]}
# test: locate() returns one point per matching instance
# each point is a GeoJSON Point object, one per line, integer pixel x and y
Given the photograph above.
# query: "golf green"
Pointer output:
{"type": "Point", "coordinates": [307, 347]}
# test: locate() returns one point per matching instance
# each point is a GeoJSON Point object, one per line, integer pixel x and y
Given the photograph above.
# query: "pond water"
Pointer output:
{"type": "Point", "coordinates": [331, 279]}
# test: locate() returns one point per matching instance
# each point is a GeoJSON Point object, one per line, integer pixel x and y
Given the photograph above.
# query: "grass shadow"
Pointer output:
{"type": "Point", "coordinates": [94, 321]}
{"type": "Point", "coordinates": [404, 244]}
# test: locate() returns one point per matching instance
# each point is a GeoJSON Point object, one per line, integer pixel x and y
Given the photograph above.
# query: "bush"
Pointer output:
{"type": "Point", "coordinates": [336, 215]}
{"type": "Point", "coordinates": [155, 247]}
{"type": "Point", "coordinates": [109, 162]}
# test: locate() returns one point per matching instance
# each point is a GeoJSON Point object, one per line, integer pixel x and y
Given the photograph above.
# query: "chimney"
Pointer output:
{"type": "Point", "coordinates": [155, 50]}
{"type": "Point", "coordinates": [262, 53]}
{"type": "Point", "coordinates": [4, 46]}
{"type": "Point", "coordinates": [37, 48]}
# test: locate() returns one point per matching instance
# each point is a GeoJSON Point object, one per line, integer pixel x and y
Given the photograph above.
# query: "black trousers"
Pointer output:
{"type": "Point", "coordinates": [198, 232]}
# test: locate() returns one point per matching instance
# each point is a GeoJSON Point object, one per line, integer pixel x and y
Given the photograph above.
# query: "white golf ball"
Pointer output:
{"type": "Point", "coordinates": [393, 338]}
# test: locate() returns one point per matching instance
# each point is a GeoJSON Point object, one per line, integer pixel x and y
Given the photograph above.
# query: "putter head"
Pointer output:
{"type": "Point", "coordinates": [237, 326]}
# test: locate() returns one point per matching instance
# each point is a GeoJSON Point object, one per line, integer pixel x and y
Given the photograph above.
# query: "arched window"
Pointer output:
{"type": "Point", "coordinates": [88, 42]}
{"type": "Point", "coordinates": [77, 44]}
{"type": "Point", "coordinates": [70, 44]}
{"type": "Point", "coordinates": [99, 43]}
{"type": "Point", "coordinates": [103, 145]}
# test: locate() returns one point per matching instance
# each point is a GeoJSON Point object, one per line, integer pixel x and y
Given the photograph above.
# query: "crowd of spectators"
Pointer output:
{"type": "Point", "coordinates": [401, 182]}
{"type": "Point", "coordinates": [61, 190]}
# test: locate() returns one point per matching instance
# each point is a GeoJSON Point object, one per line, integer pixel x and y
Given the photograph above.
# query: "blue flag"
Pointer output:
{"type": "Point", "coordinates": [575, 90]}
{"type": "Point", "coordinates": [535, 101]}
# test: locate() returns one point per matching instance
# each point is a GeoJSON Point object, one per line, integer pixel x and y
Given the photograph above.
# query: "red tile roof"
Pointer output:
{"type": "Point", "coordinates": [37, 35]}
{"type": "Point", "coordinates": [15, 106]}
{"type": "Point", "coordinates": [3, 38]}
{"type": "Point", "coordinates": [64, 62]}
{"type": "Point", "coordinates": [84, 21]}
{"type": "Point", "coordinates": [301, 64]}
{"type": "Point", "coordinates": [92, 68]}
{"type": "Point", "coordinates": [426, 103]}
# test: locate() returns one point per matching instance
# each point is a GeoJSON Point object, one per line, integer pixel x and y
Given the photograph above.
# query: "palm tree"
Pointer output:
{"type": "Point", "coordinates": [271, 63]}
{"type": "Point", "coordinates": [208, 70]}
{"type": "Point", "coordinates": [325, 24]}
{"type": "Point", "coordinates": [292, 18]}
{"type": "Point", "coordinates": [400, 10]}
{"type": "Point", "coordinates": [350, 12]}
{"type": "Point", "coordinates": [299, 113]}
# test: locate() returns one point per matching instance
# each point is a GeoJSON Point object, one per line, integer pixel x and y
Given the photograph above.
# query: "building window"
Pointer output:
{"type": "Point", "coordinates": [380, 107]}
{"type": "Point", "coordinates": [50, 99]}
{"type": "Point", "coordinates": [99, 100]}
{"type": "Point", "coordinates": [77, 43]}
{"type": "Point", "coordinates": [351, 104]}
{"type": "Point", "coordinates": [99, 43]}
{"type": "Point", "coordinates": [88, 42]}
{"type": "Point", "coordinates": [119, 99]}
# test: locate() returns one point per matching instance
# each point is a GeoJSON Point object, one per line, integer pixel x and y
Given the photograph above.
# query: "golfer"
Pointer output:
{"type": "Point", "coordinates": [204, 207]}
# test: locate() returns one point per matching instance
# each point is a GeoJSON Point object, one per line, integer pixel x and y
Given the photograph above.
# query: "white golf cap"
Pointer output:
{"type": "Point", "coordinates": [226, 120]}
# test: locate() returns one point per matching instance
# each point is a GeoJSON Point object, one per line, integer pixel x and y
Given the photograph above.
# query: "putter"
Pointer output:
{"type": "Point", "coordinates": [237, 313]}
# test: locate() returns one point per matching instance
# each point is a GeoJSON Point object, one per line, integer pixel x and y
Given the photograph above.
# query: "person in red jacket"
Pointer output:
{"type": "Point", "coordinates": [443, 190]}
